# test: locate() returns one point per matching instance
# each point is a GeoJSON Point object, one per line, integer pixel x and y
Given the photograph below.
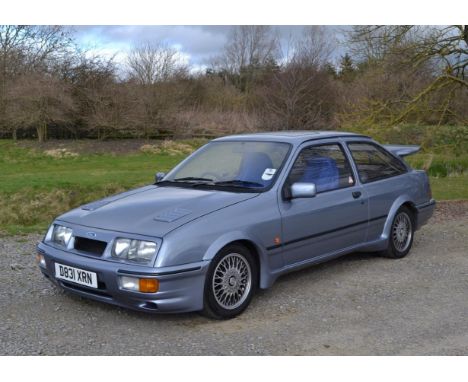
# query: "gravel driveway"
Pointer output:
{"type": "Point", "coordinates": [357, 305]}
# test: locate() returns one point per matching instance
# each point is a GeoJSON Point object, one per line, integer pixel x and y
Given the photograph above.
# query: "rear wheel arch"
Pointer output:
{"type": "Point", "coordinates": [401, 236]}
{"type": "Point", "coordinates": [401, 201]}
{"type": "Point", "coordinates": [414, 211]}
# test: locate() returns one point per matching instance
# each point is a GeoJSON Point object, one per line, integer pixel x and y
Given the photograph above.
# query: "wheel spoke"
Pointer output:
{"type": "Point", "coordinates": [401, 232]}
{"type": "Point", "coordinates": [231, 282]}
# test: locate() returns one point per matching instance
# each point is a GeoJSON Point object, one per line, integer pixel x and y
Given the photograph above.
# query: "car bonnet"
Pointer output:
{"type": "Point", "coordinates": [152, 210]}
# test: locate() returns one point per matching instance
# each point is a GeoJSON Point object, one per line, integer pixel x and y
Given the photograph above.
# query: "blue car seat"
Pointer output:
{"type": "Point", "coordinates": [323, 172]}
{"type": "Point", "coordinates": [253, 166]}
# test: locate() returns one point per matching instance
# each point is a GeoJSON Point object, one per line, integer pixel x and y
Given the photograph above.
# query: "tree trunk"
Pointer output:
{"type": "Point", "coordinates": [42, 132]}
{"type": "Point", "coordinates": [14, 134]}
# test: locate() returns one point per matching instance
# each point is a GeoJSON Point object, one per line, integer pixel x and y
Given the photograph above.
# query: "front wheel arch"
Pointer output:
{"type": "Point", "coordinates": [250, 246]}
{"type": "Point", "coordinates": [239, 237]}
{"type": "Point", "coordinates": [214, 308]}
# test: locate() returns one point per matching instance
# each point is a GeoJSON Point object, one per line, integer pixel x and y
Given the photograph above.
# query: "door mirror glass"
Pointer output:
{"type": "Point", "coordinates": [159, 176]}
{"type": "Point", "coordinates": [303, 190]}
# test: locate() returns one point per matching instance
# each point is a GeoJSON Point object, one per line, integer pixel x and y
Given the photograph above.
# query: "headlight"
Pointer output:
{"type": "Point", "coordinates": [61, 235]}
{"type": "Point", "coordinates": [135, 250]}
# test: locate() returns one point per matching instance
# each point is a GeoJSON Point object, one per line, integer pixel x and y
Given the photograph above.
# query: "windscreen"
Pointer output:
{"type": "Point", "coordinates": [253, 164]}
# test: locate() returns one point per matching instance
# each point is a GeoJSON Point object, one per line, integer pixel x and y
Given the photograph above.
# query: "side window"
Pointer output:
{"type": "Point", "coordinates": [374, 163]}
{"type": "Point", "coordinates": [325, 165]}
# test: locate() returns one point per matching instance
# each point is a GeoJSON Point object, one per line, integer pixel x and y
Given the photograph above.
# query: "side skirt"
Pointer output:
{"type": "Point", "coordinates": [372, 246]}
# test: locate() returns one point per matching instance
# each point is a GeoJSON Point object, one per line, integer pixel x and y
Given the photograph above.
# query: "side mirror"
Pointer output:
{"type": "Point", "coordinates": [303, 190]}
{"type": "Point", "coordinates": [159, 176]}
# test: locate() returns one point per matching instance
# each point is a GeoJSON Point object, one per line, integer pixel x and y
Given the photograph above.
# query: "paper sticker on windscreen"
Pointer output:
{"type": "Point", "coordinates": [268, 173]}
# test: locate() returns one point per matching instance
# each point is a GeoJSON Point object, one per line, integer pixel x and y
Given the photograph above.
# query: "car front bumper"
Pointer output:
{"type": "Point", "coordinates": [180, 287]}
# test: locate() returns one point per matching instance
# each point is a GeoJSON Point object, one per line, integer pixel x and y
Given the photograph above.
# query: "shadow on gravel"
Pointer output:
{"type": "Point", "coordinates": [117, 312]}
{"type": "Point", "coordinates": [195, 319]}
{"type": "Point", "coordinates": [328, 265]}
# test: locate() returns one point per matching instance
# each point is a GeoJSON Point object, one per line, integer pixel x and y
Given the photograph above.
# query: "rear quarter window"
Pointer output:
{"type": "Point", "coordinates": [374, 163]}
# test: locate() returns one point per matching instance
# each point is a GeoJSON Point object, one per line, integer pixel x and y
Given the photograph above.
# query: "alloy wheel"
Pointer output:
{"type": "Point", "coordinates": [232, 281]}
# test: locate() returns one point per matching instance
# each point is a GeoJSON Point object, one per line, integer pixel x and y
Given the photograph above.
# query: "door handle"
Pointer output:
{"type": "Point", "coordinates": [356, 194]}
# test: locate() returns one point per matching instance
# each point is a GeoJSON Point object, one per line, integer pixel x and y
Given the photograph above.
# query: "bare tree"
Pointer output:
{"type": "Point", "coordinates": [249, 45]}
{"type": "Point", "coordinates": [313, 48]}
{"type": "Point", "coordinates": [113, 110]}
{"type": "Point", "coordinates": [371, 43]}
{"type": "Point", "coordinates": [154, 71]}
{"type": "Point", "coordinates": [299, 94]}
{"type": "Point", "coordinates": [439, 52]}
{"type": "Point", "coordinates": [93, 80]}
{"type": "Point", "coordinates": [249, 53]}
{"type": "Point", "coordinates": [150, 63]}
{"type": "Point", "coordinates": [38, 100]}
{"type": "Point", "coordinates": [25, 49]}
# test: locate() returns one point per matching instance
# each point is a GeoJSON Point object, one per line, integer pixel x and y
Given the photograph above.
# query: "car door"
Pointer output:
{"type": "Point", "coordinates": [335, 218]}
{"type": "Point", "coordinates": [380, 173]}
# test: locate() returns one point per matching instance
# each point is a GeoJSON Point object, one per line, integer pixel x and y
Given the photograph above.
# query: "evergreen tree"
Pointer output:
{"type": "Point", "coordinates": [347, 70]}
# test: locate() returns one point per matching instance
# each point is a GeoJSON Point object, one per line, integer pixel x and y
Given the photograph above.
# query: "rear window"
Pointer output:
{"type": "Point", "coordinates": [374, 163]}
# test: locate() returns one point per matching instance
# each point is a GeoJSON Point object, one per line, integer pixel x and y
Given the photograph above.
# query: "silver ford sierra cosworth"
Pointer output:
{"type": "Point", "coordinates": [234, 216]}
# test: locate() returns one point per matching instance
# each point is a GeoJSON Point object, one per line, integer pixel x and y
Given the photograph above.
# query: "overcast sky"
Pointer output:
{"type": "Point", "coordinates": [197, 43]}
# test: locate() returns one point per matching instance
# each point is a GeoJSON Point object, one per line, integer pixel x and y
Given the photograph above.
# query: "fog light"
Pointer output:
{"type": "Point", "coordinates": [130, 283]}
{"type": "Point", "coordinates": [139, 285]}
{"type": "Point", "coordinates": [40, 260]}
{"type": "Point", "coordinates": [149, 285]}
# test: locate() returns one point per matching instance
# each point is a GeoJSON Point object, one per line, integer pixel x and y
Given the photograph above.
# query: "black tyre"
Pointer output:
{"type": "Point", "coordinates": [230, 282]}
{"type": "Point", "coordinates": [401, 234]}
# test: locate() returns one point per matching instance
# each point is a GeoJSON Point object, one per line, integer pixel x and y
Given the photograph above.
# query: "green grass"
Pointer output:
{"type": "Point", "coordinates": [21, 168]}
{"type": "Point", "coordinates": [450, 187]}
{"type": "Point", "coordinates": [448, 174]}
{"type": "Point", "coordinates": [35, 188]}
{"type": "Point", "coordinates": [440, 165]}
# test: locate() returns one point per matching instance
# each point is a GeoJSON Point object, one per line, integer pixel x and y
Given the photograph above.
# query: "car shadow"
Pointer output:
{"type": "Point", "coordinates": [194, 319]}
{"type": "Point", "coordinates": [309, 270]}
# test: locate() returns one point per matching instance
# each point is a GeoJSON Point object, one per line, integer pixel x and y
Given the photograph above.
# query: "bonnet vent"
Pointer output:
{"type": "Point", "coordinates": [172, 215]}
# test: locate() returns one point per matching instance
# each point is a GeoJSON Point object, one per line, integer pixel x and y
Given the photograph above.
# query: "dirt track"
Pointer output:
{"type": "Point", "coordinates": [357, 305]}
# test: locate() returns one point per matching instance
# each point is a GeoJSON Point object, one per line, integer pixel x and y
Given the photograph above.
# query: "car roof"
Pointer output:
{"type": "Point", "coordinates": [294, 137]}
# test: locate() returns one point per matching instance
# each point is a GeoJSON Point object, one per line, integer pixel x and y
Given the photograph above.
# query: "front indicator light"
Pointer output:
{"type": "Point", "coordinates": [149, 285]}
{"type": "Point", "coordinates": [139, 284]}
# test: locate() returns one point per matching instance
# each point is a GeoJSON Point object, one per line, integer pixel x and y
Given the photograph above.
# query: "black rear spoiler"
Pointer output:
{"type": "Point", "coordinates": [402, 150]}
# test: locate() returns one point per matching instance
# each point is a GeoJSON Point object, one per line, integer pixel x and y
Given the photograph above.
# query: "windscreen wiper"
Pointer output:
{"type": "Point", "coordinates": [191, 181]}
{"type": "Point", "coordinates": [240, 183]}
{"type": "Point", "coordinates": [192, 178]}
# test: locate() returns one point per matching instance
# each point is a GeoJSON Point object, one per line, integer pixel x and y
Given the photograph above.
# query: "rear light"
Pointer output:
{"type": "Point", "coordinates": [429, 189]}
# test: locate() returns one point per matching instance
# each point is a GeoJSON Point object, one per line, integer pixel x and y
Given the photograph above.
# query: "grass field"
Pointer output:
{"type": "Point", "coordinates": [36, 185]}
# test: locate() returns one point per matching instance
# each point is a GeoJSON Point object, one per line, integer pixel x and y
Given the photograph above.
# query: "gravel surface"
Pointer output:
{"type": "Point", "coordinates": [357, 305]}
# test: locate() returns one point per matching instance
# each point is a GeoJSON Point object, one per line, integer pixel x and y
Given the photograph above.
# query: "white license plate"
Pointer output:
{"type": "Point", "coordinates": [76, 275]}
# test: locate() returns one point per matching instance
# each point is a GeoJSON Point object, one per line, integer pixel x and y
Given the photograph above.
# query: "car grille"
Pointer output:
{"type": "Point", "coordinates": [97, 292]}
{"type": "Point", "coordinates": [94, 247]}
